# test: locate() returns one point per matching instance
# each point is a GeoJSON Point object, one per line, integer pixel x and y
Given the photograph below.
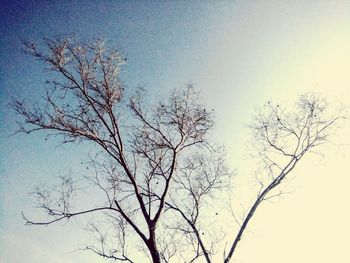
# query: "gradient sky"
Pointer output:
{"type": "Point", "coordinates": [239, 54]}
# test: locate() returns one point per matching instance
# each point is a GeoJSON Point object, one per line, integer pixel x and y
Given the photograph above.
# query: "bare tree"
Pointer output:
{"type": "Point", "coordinates": [281, 139]}
{"type": "Point", "coordinates": [142, 146]}
{"type": "Point", "coordinates": [155, 166]}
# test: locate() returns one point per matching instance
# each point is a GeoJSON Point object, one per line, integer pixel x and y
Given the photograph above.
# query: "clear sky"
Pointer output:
{"type": "Point", "coordinates": [239, 54]}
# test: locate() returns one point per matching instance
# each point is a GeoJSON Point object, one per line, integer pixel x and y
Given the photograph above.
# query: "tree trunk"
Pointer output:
{"type": "Point", "coordinates": [154, 254]}
{"type": "Point", "coordinates": [152, 245]}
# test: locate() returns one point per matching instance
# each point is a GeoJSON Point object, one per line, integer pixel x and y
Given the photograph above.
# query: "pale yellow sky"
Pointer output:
{"type": "Point", "coordinates": [296, 48]}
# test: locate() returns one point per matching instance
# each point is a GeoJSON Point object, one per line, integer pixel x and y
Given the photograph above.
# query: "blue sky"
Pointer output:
{"type": "Point", "coordinates": [238, 53]}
